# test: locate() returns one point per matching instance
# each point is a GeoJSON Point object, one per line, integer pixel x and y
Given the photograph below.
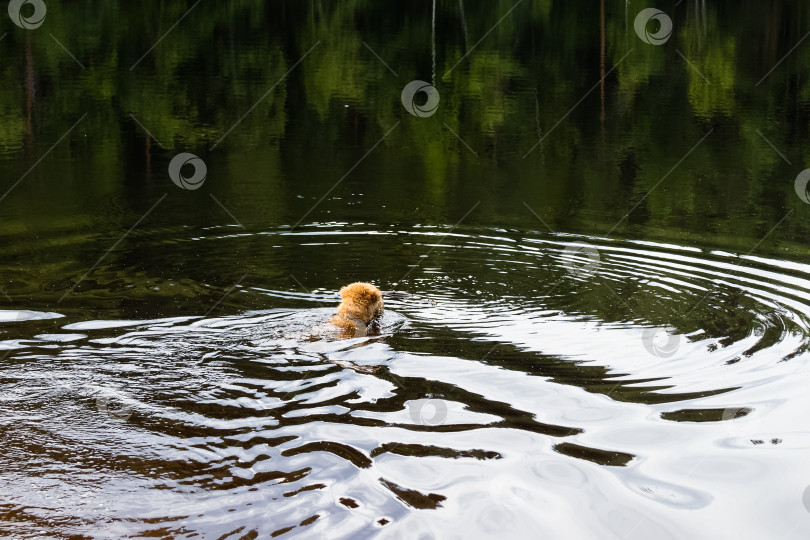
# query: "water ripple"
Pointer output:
{"type": "Point", "coordinates": [514, 385]}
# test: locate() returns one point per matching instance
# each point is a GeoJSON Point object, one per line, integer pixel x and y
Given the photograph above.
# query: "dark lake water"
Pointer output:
{"type": "Point", "coordinates": [600, 216]}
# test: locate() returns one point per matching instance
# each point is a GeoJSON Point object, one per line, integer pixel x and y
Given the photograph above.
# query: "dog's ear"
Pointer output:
{"type": "Point", "coordinates": [371, 296]}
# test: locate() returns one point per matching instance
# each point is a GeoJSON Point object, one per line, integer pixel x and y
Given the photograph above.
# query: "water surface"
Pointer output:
{"type": "Point", "coordinates": [607, 327]}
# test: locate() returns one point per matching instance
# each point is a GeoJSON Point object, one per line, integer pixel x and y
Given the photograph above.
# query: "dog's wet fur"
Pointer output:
{"type": "Point", "coordinates": [359, 311]}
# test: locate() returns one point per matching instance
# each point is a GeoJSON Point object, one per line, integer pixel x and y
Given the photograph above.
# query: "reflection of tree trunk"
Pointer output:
{"type": "Point", "coordinates": [463, 23]}
{"type": "Point", "coordinates": [626, 22]}
{"type": "Point", "coordinates": [705, 19]}
{"type": "Point", "coordinates": [602, 58]}
{"type": "Point", "coordinates": [539, 130]}
{"type": "Point", "coordinates": [148, 157]}
{"type": "Point", "coordinates": [772, 33]}
{"type": "Point", "coordinates": [29, 90]}
{"type": "Point", "coordinates": [433, 44]}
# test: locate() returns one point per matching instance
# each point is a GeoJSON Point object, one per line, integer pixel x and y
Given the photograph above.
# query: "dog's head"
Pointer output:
{"type": "Point", "coordinates": [362, 300]}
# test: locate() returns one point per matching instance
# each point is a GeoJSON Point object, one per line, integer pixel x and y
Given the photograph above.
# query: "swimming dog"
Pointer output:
{"type": "Point", "coordinates": [359, 311]}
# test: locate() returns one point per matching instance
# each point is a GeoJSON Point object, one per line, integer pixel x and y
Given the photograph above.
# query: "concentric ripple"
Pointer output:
{"type": "Point", "coordinates": [521, 379]}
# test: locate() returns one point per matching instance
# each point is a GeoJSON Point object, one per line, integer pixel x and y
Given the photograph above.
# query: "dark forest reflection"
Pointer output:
{"type": "Point", "coordinates": [517, 87]}
{"type": "Point", "coordinates": [159, 373]}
